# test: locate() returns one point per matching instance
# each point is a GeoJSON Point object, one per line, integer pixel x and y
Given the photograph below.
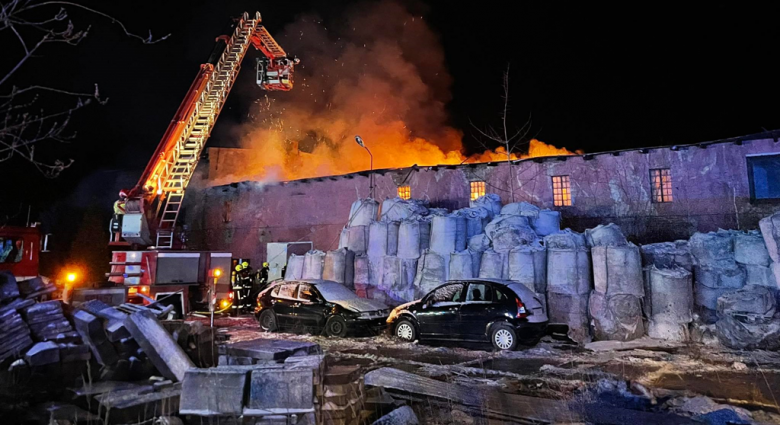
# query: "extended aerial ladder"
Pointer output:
{"type": "Point", "coordinates": [152, 207]}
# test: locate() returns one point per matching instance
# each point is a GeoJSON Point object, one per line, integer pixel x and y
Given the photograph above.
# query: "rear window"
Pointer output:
{"type": "Point", "coordinates": [479, 292]}
{"type": "Point", "coordinates": [502, 296]}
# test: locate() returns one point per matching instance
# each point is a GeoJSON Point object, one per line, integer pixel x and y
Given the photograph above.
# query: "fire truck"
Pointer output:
{"type": "Point", "coordinates": [149, 258]}
{"type": "Point", "coordinates": [19, 251]}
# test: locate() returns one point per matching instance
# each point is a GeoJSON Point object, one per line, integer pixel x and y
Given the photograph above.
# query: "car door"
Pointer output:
{"type": "Point", "coordinates": [439, 311]}
{"type": "Point", "coordinates": [478, 309]}
{"type": "Point", "coordinates": [310, 309]}
{"type": "Point", "coordinates": [283, 304]}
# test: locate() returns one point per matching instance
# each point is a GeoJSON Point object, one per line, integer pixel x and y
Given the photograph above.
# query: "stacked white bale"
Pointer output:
{"type": "Point", "coordinates": [528, 265]}
{"type": "Point", "coordinates": [491, 202]}
{"type": "Point", "coordinates": [670, 303]}
{"type": "Point", "coordinates": [313, 263]}
{"type": "Point", "coordinates": [521, 208]}
{"type": "Point", "coordinates": [568, 285]}
{"type": "Point", "coordinates": [461, 232]}
{"type": "Point", "coordinates": [477, 245]}
{"type": "Point", "coordinates": [383, 238]}
{"type": "Point", "coordinates": [667, 255]}
{"type": "Point", "coordinates": [716, 272]}
{"type": "Point", "coordinates": [609, 235]}
{"type": "Point", "coordinates": [508, 232]}
{"type": "Point", "coordinates": [461, 266]}
{"type": "Point", "coordinates": [397, 209]}
{"type": "Point", "coordinates": [294, 267]}
{"type": "Point", "coordinates": [361, 271]}
{"type": "Point", "coordinates": [340, 267]}
{"type": "Point", "coordinates": [616, 301]}
{"type": "Point", "coordinates": [747, 319]}
{"type": "Point", "coordinates": [354, 239]}
{"type": "Point", "coordinates": [751, 252]}
{"type": "Point", "coordinates": [546, 223]}
{"type": "Point", "coordinates": [409, 239]}
{"type": "Point", "coordinates": [444, 234]}
{"type": "Point", "coordinates": [475, 220]}
{"type": "Point", "coordinates": [362, 212]}
{"type": "Point", "coordinates": [398, 278]}
{"type": "Point", "coordinates": [432, 271]}
{"type": "Point", "coordinates": [770, 230]}
{"type": "Point", "coordinates": [494, 265]}
{"type": "Point", "coordinates": [565, 239]}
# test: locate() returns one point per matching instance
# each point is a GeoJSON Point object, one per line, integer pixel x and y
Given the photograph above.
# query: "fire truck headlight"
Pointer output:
{"type": "Point", "coordinates": [225, 303]}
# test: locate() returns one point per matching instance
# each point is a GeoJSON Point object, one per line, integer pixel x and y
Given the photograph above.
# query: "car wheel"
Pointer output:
{"type": "Point", "coordinates": [267, 321]}
{"type": "Point", "coordinates": [503, 337]}
{"type": "Point", "coordinates": [336, 326]}
{"type": "Point", "coordinates": [405, 331]}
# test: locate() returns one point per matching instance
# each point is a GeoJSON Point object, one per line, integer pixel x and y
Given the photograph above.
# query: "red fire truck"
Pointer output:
{"type": "Point", "coordinates": [19, 251]}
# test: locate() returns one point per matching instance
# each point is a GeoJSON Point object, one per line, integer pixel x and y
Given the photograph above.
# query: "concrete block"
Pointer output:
{"type": "Point", "coordinates": [284, 391]}
{"type": "Point", "coordinates": [401, 416]}
{"type": "Point", "coordinates": [116, 331]}
{"type": "Point", "coordinates": [341, 375]}
{"type": "Point", "coordinates": [163, 351]}
{"type": "Point", "coordinates": [213, 392]}
{"type": "Point", "coordinates": [130, 407]}
{"type": "Point", "coordinates": [314, 363]}
{"type": "Point", "coordinates": [90, 328]}
{"type": "Point", "coordinates": [43, 353]}
{"type": "Point", "coordinates": [42, 308]}
{"type": "Point", "coordinates": [8, 287]}
{"type": "Point", "coordinates": [27, 287]}
{"type": "Point", "coordinates": [104, 311]}
{"type": "Point", "coordinates": [270, 349]}
{"type": "Point", "coordinates": [16, 305]}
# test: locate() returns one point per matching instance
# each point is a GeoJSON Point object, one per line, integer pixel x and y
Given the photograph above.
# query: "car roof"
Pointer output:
{"type": "Point", "coordinates": [314, 282]}
{"type": "Point", "coordinates": [488, 280]}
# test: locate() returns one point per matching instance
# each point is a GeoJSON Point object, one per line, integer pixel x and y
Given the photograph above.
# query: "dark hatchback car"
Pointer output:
{"type": "Point", "coordinates": [318, 306]}
{"type": "Point", "coordinates": [503, 312]}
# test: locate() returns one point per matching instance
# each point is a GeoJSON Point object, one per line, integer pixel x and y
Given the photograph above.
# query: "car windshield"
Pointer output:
{"type": "Point", "coordinates": [335, 292]}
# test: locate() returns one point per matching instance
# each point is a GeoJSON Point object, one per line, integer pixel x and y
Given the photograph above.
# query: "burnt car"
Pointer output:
{"type": "Point", "coordinates": [503, 312]}
{"type": "Point", "coordinates": [318, 306]}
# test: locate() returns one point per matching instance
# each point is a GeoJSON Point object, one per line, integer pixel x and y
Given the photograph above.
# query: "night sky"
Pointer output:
{"type": "Point", "coordinates": [592, 77]}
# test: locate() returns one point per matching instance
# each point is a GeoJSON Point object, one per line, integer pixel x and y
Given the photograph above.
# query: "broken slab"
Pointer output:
{"type": "Point", "coordinates": [43, 353]}
{"type": "Point", "coordinates": [282, 391]}
{"type": "Point", "coordinates": [90, 328]}
{"type": "Point", "coordinates": [74, 352]}
{"type": "Point", "coordinates": [270, 349]}
{"type": "Point", "coordinates": [213, 392]}
{"type": "Point", "coordinates": [133, 408]}
{"type": "Point", "coordinates": [27, 287]}
{"type": "Point", "coordinates": [401, 416]}
{"type": "Point", "coordinates": [163, 351]}
{"type": "Point", "coordinates": [637, 344]}
{"type": "Point", "coordinates": [16, 305]}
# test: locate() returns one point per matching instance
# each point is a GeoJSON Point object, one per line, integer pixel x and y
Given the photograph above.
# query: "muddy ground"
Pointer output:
{"type": "Point", "coordinates": [657, 380]}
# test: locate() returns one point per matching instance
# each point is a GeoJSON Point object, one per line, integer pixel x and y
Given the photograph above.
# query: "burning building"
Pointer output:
{"type": "Point", "coordinates": [653, 194]}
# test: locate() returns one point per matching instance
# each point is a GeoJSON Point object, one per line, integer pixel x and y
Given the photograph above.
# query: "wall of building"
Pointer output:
{"type": "Point", "coordinates": [710, 191]}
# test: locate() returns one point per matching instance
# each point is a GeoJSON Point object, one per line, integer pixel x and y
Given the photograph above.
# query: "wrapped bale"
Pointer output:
{"type": "Point", "coordinates": [616, 317]}
{"type": "Point", "coordinates": [508, 232]}
{"type": "Point", "coordinates": [361, 278]}
{"type": "Point", "coordinates": [313, 263]}
{"type": "Point", "coordinates": [461, 266]}
{"type": "Point", "coordinates": [354, 239]}
{"type": "Point", "coordinates": [761, 276]}
{"type": "Point", "coordinates": [477, 245]}
{"type": "Point", "coordinates": [666, 255]}
{"type": "Point", "coordinates": [490, 202]}
{"type": "Point", "coordinates": [753, 301]}
{"type": "Point", "coordinates": [713, 282]}
{"type": "Point", "coordinates": [714, 249]}
{"type": "Point", "coordinates": [294, 268]}
{"type": "Point", "coordinates": [569, 271]}
{"type": "Point", "coordinates": [461, 234]}
{"type": "Point", "coordinates": [547, 223]}
{"type": "Point", "coordinates": [670, 295]}
{"type": "Point", "coordinates": [432, 271]}
{"type": "Point", "coordinates": [609, 235]}
{"type": "Point", "coordinates": [770, 230]}
{"type": "Point", "coordinates": [397, 209]}
{"type": "Point", "coordinates": [494, 265]}
{"type": "Point", "coordinates": [475, 220]}
{"type": "Point", "coordinates": [340, 267]}
{"type": "Point", "coordinates": [565, 239]}
{"type": "Point", "coordinates": [476, 262]}
{"type": "Point", "coordinates": [668, 331]}
{"type": "Point", "coordinates": [749, 249]}
{"type": "Point", "coordinates": [444, 234]}
{"type": "Point", "coordinates": [375, 265]}
{"type": "Point", "coordinates": [741, 333]}
{"type": "Point", "coordinates": [383, 238]}
{"type": "Point", "coordinates": [410, 238]}
{"type": "Point", "coordinates": [363, 212]}
{"type": "Point", "coordinates": [528, 265]}
{"type": "Point", "coordinates": [571, 310]}
{"type": "Point", "coordinates": [617, 270]}
{"type": "Point", "coordinates": [521, 208]}
{"type": "Point", "coordinates": [398, 278]}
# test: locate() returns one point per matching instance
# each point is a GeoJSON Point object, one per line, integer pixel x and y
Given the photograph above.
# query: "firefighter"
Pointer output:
{"type": "Point", "coordinates": [237, 291]}
{"type": "Point", "coordinates": [245, 277]}
{"type": "Point", "coordinates": [260, 282]}
{"type": "Point", "coordinates": [120, 207]}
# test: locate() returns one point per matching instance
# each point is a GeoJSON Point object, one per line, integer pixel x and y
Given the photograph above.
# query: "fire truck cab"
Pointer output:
{"type": "Point", "coordinates": [19, 248]}
{"type": "Point", "coordinates": [178, 278]}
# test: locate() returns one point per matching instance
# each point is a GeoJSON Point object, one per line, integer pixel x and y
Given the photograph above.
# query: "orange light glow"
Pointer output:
{"type": "Point", "coordinates": [230, 295]}
{"type": "Point", "coordinates": [217, 272]}
{"type": "Point", "coordinates": [71, 277]}
{"type": "Point", "coordinates": [225, 303]}
{"type": "Point", "coordinates": [132, 290]}
{"type": "Point", "coordinates": [145, 289]}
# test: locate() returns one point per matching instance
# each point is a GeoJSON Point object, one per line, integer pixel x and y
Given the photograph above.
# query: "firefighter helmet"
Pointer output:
{"type": "Point", "coordinates": [238, 268]}
{"type": "Point", "coordinates": [123, 194]}
{"type": "Point", "coordinates": [245, 264]}
{"type": "Point", "coordinates": [265, 264]}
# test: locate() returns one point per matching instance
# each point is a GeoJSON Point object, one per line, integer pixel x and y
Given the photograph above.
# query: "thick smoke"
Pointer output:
{"type": "Point", "coordinates": [380, 73]}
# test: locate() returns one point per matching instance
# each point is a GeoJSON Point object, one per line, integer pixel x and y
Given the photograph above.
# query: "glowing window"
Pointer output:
{"type": "Point", "coordinates": [661, 185]}
{"type": "Point", "coordinates": [477, 190]}
{"type": "Point", "coordinates": [404, 192]}
{"type": "Point", "coordinates": [561, 191]}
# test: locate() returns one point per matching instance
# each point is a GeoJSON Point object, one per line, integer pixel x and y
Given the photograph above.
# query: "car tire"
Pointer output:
{"type": "Point", "coordinates": [336, 326]}
{"type": "Point", "coordinates": [405, 331]}
{"type": "Point", "coordinates": [267, 321]}
{"type": "Point", "coordinates": [503, 337]}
